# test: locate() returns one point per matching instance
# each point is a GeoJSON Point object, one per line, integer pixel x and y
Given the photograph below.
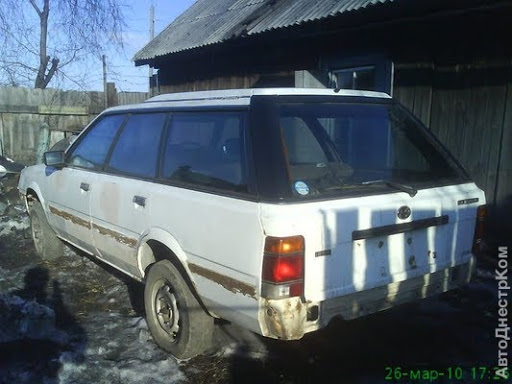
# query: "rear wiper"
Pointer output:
{"type": "Point", "coordinates": [401, 187]}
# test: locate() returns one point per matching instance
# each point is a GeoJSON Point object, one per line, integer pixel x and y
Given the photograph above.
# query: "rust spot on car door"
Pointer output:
{"type": "Point", "coordinates": [232, 285]}
{"type": "Point", "coordinates": [116, 236]}
{"type": "Point", "coordinates": [70, 217]}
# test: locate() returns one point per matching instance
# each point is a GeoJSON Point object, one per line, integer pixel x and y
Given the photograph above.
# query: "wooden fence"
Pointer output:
{"type": "Point", "coordinates": [470, 110]}
{"type": "Point", "coordinates": [25, 112]}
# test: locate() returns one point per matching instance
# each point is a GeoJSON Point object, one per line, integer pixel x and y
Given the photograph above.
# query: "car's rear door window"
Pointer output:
{"type": "Point", "coordinates": [206, 149]}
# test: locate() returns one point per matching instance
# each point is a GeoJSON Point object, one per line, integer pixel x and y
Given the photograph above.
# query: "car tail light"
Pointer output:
{"type": "Point", "coordinates": [283, 267]}
{"type": "Point", "coordinates": [481, 213]}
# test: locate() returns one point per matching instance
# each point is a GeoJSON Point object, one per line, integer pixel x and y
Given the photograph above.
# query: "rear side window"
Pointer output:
{"type": "Point", "coordinates": [206, 149]}
{"type": "Point", "coordinates": [92, 149]}
{"type": "Point", "coordinates": [302, 146]}
{"type": "Point", "coordinates": [136, 150]}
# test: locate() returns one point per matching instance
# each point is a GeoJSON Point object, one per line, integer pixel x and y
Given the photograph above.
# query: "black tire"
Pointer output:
{"type": "Point", "coordinates": [46, 242]}
{"type": "Point", "coordinates": [175, 318]}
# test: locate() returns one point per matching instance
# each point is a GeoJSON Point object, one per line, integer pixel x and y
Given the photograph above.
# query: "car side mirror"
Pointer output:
{"type": "Point", "coordinates": [54, 159]}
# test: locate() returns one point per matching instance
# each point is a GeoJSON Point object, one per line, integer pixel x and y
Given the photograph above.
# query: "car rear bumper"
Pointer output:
{"type": "Point", "coordinates": [290, 319]}
{"type": "Point", "coordinates": [381, 298]}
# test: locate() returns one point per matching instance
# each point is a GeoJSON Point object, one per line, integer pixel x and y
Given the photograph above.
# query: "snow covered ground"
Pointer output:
{"type": "Point", "coordinates": [74, 323]}
{"type": "Point", "coordinates": [75, 320]}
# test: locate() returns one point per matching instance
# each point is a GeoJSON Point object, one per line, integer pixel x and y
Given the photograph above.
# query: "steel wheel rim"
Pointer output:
{"type": "Point", "coordinates": [37, 234]}
{"type": "Point", "coordinates": [166, 311]}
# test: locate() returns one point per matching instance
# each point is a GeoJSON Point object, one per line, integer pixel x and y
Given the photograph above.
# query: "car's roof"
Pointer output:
{"type": "Point", "coordinates": [240, 97]}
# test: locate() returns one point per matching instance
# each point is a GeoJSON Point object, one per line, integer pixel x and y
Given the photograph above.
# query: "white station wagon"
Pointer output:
{"type": "Point", "coordinates": [275, 209]}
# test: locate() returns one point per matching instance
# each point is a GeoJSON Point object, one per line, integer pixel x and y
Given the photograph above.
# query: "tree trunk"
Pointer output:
{"type": "Point", "coordinates": [44, 74]}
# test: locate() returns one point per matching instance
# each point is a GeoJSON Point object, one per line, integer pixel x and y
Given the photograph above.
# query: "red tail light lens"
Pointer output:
{"type": "Point", "coordinates": [481, 214]}
{"type": "Point", "coordinates": [283, 267]}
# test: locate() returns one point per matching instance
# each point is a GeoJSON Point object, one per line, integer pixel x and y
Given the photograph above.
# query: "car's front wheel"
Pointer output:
{"type": "Point", "coordinates": [175, 318]}
{"type": "Point", "coordinates": [46, 242]}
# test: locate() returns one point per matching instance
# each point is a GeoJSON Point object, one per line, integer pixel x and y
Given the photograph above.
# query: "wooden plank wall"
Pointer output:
{"type": "Point", "coordinates": [228, 82]}
{"type": "Point", "coordinates": [504, 185]}
{"type": "Point", "coordinates": [413, 88]}
{"type": "Point", "coordinates": [470, 110]}
{"type": "Point", "coordinates": [24, 110]}
{"type": "Point", "coordinates": [249, 80]}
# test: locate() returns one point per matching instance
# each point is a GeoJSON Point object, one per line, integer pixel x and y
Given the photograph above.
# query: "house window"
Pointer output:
{"type": "Point", "coordinates": [361, 78]}
{"type": "Point", "coordinates": [366, 73]}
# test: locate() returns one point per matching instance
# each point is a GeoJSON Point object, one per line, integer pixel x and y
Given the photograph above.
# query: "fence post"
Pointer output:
{"type": "Point", "coordinates": [111, 95]}
{"type": "Point", "coordinates": [43, 142]}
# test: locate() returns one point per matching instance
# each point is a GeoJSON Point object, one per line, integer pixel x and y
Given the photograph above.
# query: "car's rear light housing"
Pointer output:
{"type": "Point", "coordinates": [282, 272]}
{"type": "Point", "coordinates": [478, 238]}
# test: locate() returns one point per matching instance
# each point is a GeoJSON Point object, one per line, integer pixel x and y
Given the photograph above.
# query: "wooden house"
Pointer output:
{"type": "Point", "coordinates": [449, 62]}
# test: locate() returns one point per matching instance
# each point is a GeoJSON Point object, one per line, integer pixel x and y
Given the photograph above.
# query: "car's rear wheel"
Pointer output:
{"type": "Point", "coordinates": [175, 318]}
{"type": "Point", "coordinates": [46, 242]}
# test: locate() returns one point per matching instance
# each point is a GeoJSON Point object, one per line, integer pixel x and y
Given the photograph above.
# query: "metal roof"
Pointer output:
{"type": "Point", "coordinates": [209, 22]}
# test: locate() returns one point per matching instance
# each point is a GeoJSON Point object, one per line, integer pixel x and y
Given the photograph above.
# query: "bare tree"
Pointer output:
{"type": "Point", "coordinates": [40, 38]}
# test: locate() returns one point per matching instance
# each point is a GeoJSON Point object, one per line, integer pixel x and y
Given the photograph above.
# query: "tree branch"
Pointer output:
{"type": "Point", "coordinates": [51, 72]}
{"type": "Point", "coordinates": [73, 57]}
{"type": "Point", "coordinates": [22, 65]}
{"type": "Point", "coordinates": [43, 57]}
{"type": "Point", "coordinates": [36, 8]}
{"type": "Point", "coordinates": [83, 29]}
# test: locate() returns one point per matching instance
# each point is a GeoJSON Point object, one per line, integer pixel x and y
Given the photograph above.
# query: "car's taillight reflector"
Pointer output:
{"type": "Point", "coordinates": [481, 214]}
{"type": "Point", "coordinates": [280, 269]}
{"type": "Point", "coordinates": [283, 267]}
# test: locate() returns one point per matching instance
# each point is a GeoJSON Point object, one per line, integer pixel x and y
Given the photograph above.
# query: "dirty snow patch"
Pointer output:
{"type": "Point", "coordinates": [130, 356]}
{"type": "Point", "coordinates": [9, 227]}
{"type": "Point", "coordinates": [26, 319]}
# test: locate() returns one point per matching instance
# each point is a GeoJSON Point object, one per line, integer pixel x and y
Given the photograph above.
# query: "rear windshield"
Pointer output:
{"type": "Point", "coordinates": [333, 148]}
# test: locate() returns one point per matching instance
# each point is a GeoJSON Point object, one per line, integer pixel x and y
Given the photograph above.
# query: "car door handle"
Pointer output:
{"type": "Point", "coordinates": [139, 200]}
{"type": "Point", "coordinates": [84, 187]}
